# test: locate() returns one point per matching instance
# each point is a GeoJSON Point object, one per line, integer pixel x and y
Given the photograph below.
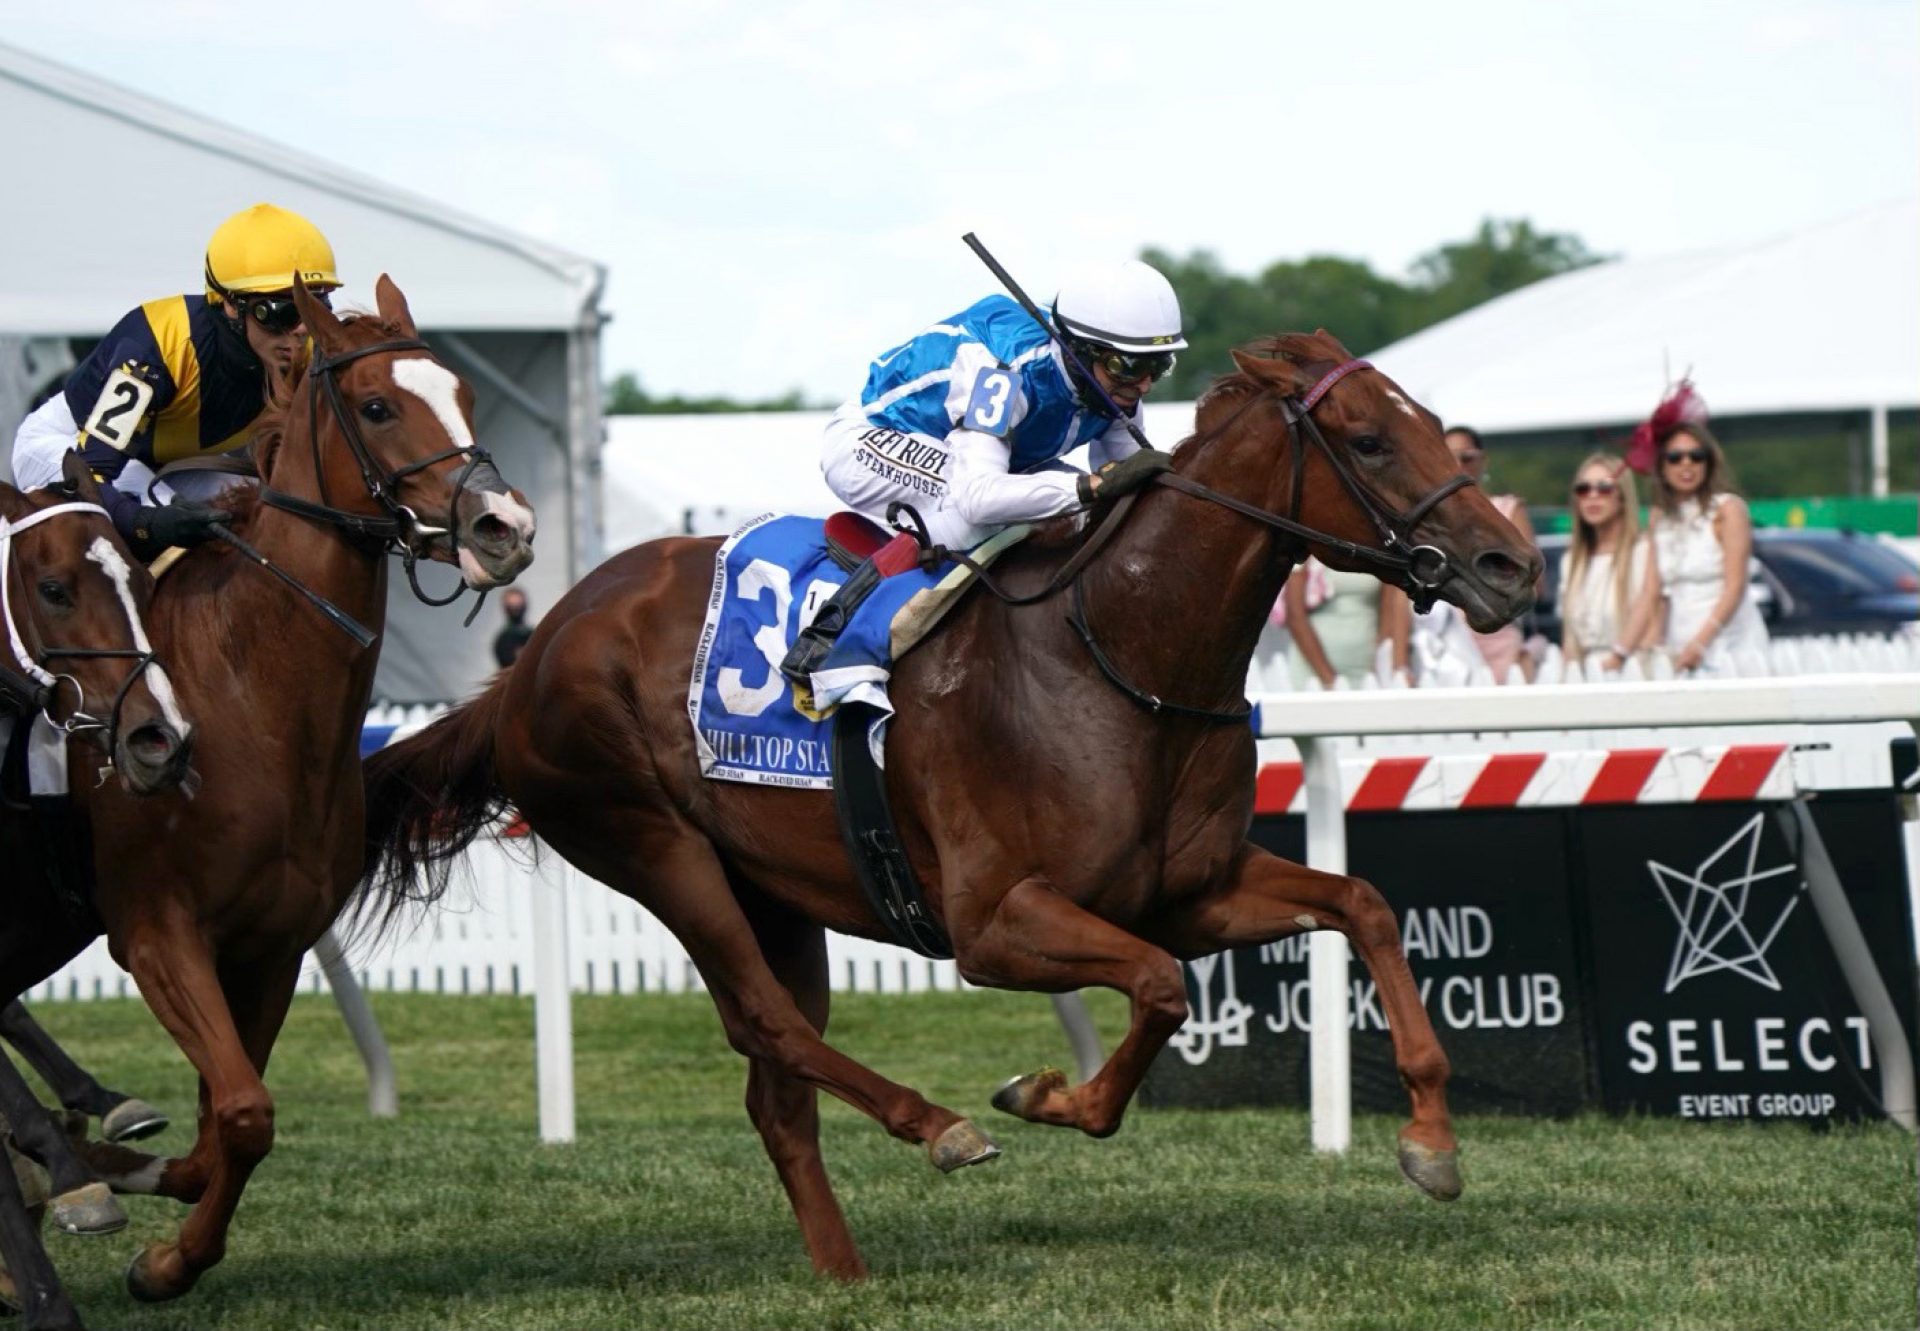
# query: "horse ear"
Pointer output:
{"type": "Point", "coordinates": [1340, 349]}
{"type": "Point", "coordinates": [76, 472]}
{"type": "Point", "coordinates": [1277, 372]}
{"type": "Point", "coordinates": [393, 306]}
{"type": "Point", "coordinates": [321, 322]}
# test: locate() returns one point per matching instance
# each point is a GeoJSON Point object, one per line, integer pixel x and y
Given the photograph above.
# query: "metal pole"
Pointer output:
{"type": "Point", "coordinates": [383, 1097]}
{"type": "Point", "coordinates": [1327, 954]}
{"type": "Point", "coordinates": [1856, 964]}
{"type": "Point", "coordinates": [1878, 450]}
{"type": "Point", "coordinates": [552, 1001]}
{"type": "Point", "coordinates": [1081, 1033]}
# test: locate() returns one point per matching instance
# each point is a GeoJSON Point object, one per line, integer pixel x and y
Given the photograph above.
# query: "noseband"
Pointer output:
{"type": "Point", "coordinates": [34, 688]}
{"type": "Point", "coordinates": [383, 534]}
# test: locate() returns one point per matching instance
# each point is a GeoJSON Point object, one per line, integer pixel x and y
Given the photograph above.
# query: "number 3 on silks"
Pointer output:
{"type": "Point", "coordinates": [987, 409]}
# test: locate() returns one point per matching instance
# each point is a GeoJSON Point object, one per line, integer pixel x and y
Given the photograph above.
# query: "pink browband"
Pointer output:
{"type": "Point", "coordinates": [1333, 376]}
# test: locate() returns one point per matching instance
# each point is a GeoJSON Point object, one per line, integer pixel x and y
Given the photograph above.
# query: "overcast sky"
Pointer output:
{"type": "Point", "coordinates": [779, 189]}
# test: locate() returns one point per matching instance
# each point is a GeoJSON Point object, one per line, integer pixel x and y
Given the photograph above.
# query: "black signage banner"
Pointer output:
{"type": "Point", "coordinates": [1717, 994]}
{"type": "Point", "coordinates": [1485, 923]}
{"type": "Point", "coordinates": [1650, 958]}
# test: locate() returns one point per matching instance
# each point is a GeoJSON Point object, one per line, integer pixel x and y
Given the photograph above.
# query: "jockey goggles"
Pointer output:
{"type": "Point", "coordinates": [1128, 367]}
{"type": "Point", "coordinates": [276, 314]}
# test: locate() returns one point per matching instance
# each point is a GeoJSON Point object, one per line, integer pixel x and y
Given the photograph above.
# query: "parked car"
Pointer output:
{"type": "Point", "coordinates": [1805, 581]}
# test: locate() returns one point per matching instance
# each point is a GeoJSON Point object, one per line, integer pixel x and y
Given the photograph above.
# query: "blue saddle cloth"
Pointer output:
{"type": "Point", "coordinates": [769, 580]}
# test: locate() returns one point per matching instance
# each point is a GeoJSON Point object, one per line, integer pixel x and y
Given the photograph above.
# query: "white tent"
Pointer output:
{"type": "Point", "coordinates": [80, 245]}
{"type": "Point", "coordinates": [1826, 319]}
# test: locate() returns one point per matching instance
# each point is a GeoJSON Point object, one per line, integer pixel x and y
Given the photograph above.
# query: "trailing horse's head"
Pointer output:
{"type": "Point", "coordinates": [1367, 469]}
{"type": "Point", "coordinates": [398, 428]}
{"type": "Point", "coordinates": [74, 601]}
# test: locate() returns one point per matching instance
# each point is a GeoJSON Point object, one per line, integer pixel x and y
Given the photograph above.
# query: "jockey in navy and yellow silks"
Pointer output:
{"type": "Point", "coordinates": [183, 376]}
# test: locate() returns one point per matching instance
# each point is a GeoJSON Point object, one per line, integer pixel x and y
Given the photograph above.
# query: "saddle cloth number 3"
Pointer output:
{"type": "Point", "coordinates": [761, 578]}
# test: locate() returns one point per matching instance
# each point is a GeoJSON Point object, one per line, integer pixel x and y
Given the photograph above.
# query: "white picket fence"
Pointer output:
{"type": "Point", "coordinates": [480, 940]}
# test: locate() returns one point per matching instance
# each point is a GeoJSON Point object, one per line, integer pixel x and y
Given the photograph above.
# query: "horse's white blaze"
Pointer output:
{"type": "Point", "coordinates": [1401, 403]}
{"type": "Point", "coordinates": [102, 553]}
{"type": "Point", "coordinates": [437, 386]}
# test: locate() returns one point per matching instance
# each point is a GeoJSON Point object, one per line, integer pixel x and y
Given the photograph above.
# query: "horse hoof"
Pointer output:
{"type": "Point", "coordinates": [1023, 1096]}
{"type": "Point", "coordinates": [961, 1145]}
{"type": "Point", "coordinates": [89, 1209]}
{"type": "Point", "coordinates": [1436, 1173]}
{"type": "Point", "coordinates": [131, 1120]}
{"type": "Point", "coordinates": [145, 1278]}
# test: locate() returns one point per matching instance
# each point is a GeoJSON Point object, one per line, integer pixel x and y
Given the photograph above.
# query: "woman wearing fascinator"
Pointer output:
{"type": "Point", "coordinates": [1702, 538]}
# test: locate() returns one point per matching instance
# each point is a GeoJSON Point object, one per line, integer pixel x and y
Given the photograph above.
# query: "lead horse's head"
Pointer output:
{"type": "Point", "coordinates": [388, 423]}
{"type": "Point", "coordinates": [1366, 482]}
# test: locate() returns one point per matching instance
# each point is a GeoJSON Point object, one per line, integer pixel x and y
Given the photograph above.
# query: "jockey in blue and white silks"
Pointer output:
{"type": "Point", "coordinates": [967, 421]}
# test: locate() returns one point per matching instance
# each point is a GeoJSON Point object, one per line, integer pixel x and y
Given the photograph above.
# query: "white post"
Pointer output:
{"type": "Point", "coordinates": [552, 1000]}
{"type": "Point", "coordinates": [1327, 953]}
{"type": "Point", "coordinates": [1878, 450]}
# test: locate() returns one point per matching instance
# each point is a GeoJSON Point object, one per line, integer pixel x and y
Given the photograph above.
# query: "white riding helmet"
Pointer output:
{"type": "Point", "coordinates": [1127, 306]}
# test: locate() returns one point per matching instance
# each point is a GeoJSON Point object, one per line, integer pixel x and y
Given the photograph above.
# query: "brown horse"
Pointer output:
{"type": "Point", "coordinates": [1070, 833]}
{"type": "Point", "coordinates": [76, 649]}
{"type": "Point", "coordinates": [211, 902]}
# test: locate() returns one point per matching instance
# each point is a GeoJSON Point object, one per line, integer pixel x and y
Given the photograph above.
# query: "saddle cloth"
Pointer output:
{"type": "Point", "coordinates": [770, 579]}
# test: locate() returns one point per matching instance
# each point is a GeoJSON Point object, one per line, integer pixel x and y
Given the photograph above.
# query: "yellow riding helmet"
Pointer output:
{"type": "Point", "coordinates": [262, 248]}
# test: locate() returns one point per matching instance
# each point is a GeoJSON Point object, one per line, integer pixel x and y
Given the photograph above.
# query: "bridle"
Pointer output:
{"type": "Point", "coordinates": [36, 688]}
{"type": "Point", "coordinates": [1418, 569]}
{"type": "Point", "coordinates": [382, 535]}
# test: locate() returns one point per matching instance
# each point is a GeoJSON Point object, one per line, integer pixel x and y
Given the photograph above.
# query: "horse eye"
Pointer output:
{"type": "Point", "coordinates": [54, 593]}
{"type": "Point", "coordinates": [1368, 446]}
{"type": "Point", "coordinates": [376, 410]}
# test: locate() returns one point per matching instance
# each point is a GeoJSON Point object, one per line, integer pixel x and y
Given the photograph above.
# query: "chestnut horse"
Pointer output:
{"type": "Point", "coordinates": [77, 650]}
{"type": "Point", "coordinates": [211, 902]}
{"type": "Point", "coordinates": [1071, 829]}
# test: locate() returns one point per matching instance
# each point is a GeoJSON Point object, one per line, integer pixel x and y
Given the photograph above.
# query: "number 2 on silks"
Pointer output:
{"type": "Point", "coordinates": [987, 409]}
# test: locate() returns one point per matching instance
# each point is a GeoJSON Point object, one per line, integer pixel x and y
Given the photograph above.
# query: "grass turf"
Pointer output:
{"type": "Point", "coordinates": [665, 1213]}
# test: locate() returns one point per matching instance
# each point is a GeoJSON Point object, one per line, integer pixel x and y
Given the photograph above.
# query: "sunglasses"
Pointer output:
{"type": "Point", "coordinates": [1128, 367]}
{"type": "Point", "coordinates": [1585, 488]}
{"type": "Point", "coordinates": [277, 314]}
{"type": "Point", "coordinates": [1677, 455]}
{"type": "Point", "coordinates": [1466, 457]}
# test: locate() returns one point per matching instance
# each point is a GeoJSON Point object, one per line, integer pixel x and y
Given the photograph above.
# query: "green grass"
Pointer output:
{"type": "Point", "coordinates": [666, 1213]}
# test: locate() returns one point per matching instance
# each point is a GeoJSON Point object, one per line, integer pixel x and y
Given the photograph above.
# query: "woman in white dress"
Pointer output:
{"type": "Point", "coordinates": [1702, 540]}
{"type": "Point", "coordinates": [1606, 598]}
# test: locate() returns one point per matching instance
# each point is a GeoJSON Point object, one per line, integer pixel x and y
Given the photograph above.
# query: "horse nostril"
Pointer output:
{"type": "Point", "coordinates": [154, 744]}
{"type": "Point", "coordinates": [1499, 570]}
{"type": "Point", "coordinates": [490, 531]}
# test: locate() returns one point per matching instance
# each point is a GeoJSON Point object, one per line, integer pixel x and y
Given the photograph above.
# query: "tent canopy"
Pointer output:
{"type": "Point", "coordinates": [1820, 320]}
{"type": "Point", "coordinates": [518, 319]}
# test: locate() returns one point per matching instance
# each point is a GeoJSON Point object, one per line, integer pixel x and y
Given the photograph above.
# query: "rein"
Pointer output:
{"type": "Point", "coordinates": [379, 535]}
{"type": "Point", "coordinates": [35, 688]}
{"type": "Point", "coordinates": [1419, 570]}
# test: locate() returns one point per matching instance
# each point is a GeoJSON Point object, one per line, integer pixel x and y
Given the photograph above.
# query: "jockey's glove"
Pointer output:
{"type": "Point", "coordinates": [1130, 473]}
{"type": "Point", "coordinates": [179, 523]}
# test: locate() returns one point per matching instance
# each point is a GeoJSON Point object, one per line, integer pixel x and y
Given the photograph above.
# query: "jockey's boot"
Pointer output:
{"type": "Point", "coordinates": [810, 650]}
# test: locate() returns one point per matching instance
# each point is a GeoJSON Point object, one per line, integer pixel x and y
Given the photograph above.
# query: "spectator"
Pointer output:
{"type": "Point", "coordinates": [513, 636]}
{"type": "Point", "coordinates": [1702, 538]}
{"type": "Point", "coordinates": [1338, 635]}
{"type": "Point", "coordinates": [1506, 647]}
{"type": "Point", "coordinates": [1607, 584]}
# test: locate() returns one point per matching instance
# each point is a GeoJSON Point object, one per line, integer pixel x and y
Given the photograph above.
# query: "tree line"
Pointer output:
{"type": "Point", "coordinates": [1222, 309]}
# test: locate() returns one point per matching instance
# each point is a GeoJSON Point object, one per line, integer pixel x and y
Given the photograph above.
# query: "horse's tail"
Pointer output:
{"type": "Point", "coordinates": [428, 797]}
